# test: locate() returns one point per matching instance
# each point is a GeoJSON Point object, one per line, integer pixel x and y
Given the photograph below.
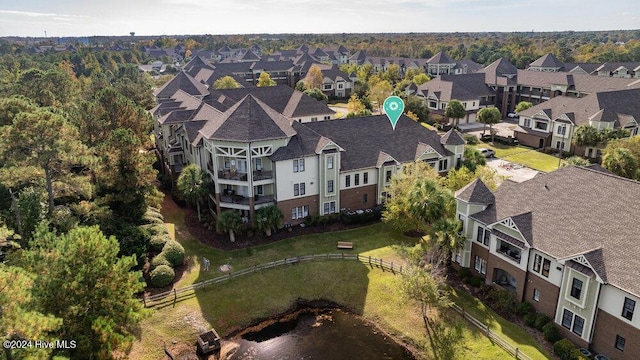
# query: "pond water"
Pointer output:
{"type": "Point", "coordinates": [327, 335]}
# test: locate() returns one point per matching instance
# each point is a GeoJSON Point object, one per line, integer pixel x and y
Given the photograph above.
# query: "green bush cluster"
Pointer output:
{"type": "Point", "coordinates": [470, 139]}
{"type": "Point", "coordinates": [524, 308]}
{"type": "Point", "coordinates": [541, 321]}
{"type": "Point", "coordinates": [567, 351]}
{"type": "Point", "coordinates": [364, 217]}
{"type": "Point", "coordinates": [173, 252]}
{"type": "Point", "coordinates": [551, 332]}
{"type": "Point", "coordinates": [161, 276]}
{"type": "Point", "coordinates": [158, 260]}
{"type": "Point", "coordinates": [157, 242]}
{"type": "Point", "coordinates": [502, 300]}
{"type": "Point", "coordinates": [152, 216]}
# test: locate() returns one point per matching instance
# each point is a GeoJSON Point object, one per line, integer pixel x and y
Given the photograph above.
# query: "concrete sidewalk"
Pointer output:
{"type": "Point", "coordinates": [514, 172]}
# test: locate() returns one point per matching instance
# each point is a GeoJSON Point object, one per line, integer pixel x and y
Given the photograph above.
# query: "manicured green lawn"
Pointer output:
{"type": "Point", "coordinates": [524, 156]}
{"type": "Point", "coordinates": [372, 293]}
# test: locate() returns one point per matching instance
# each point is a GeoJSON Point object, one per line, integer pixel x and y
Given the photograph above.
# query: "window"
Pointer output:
{"type": "Point", "coordinates": [387, 176]}
{"type": "Point", "coordinates": [433, 105]}
{"type": "Point", "coordinates": [541, 265]}
{"type": "Point", "coordinates": [314, 119]}
{"type": "Point", "coordinates": [328, 86]}
{"type": "Point", "coordinates": [298, 165]}
{"type": "Point", "coordinates": [537, 262]}
{"type": "Point", "coordinates": [364, 198]}
{"type": "Point", "coordinates": [327, 117]}
{"type": "Point", "coordinates": [259, 164]}
{"type": "Point", "coordinates": [365, 178]}
{"type": "Point", "coordinates": [298, 189]}
{"type": "Point", "coordinates": [536, 295]}
{"type": "Point", "coordinates": [480, 265]}
{"type": "Point", "coordinates": [340, 85]}
{"type": "Point", "coordinates": [356, 179]}
{"type": "Point", "coordinates": [562, 129]}
{"type": "Point", "coordinates": [443, 165]}
{"type": "Point", "coordinates": [540, 125]}
{"type": "Point", "coordinates": [483, 236]}
{"type": "Point", "coordinates": [627, 308]}
{"type": "Point", "coordinates": [329, 162]}
{"type": "Point", "coordinates": [578, 325]}
{"type": "Point", "coordinates": [527, 123]}
{"type": "Point", "coordinates": [329, 186]}
{"type": "Point", "coordinates": [260, 190]}
{"type": "Point", "coordinates": [347, 181]}
{"type": "Point", "coordinates": [576, 288]}
{"type": "Point", "coordinates": [567, 318]}
{"type": "Point", "coordinates": [620, 342]}
{"type": "Point", "coordinates": [329, 207]}
{"type": "Point", "coordinates": [299, 212]}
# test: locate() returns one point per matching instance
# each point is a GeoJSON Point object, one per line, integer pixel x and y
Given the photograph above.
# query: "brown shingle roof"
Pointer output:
{"type": "Point", "coordinates": [575, 210]}
{"type": "Point", "coordinates": [475, 192]}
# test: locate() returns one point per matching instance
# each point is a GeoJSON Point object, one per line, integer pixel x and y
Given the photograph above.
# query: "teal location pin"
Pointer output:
{"type": "Point", "coordinates": [393, 107]}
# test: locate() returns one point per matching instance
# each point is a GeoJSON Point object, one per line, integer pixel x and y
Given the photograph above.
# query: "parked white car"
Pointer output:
{"type": "Point", "coordinates": [512, 115]}
{"type": "Point", "coordinates": [488, 153]}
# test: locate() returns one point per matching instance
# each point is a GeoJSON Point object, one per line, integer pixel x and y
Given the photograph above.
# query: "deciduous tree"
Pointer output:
{"type": "Point", "coordinates": [314, 78]}
{"type": "Point", "coordinates": [265, 80]}
{"type": "Point", "coordinates": [225, 82]}
{"type": "Point", "coordinates": [523, 105]}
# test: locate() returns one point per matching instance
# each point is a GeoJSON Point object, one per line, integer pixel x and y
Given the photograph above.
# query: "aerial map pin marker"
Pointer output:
{"type": "Point", "coordinates": [393, 107]}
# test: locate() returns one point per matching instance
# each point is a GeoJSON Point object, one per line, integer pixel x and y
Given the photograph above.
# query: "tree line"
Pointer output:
{"type": "Point", "coordinates": [76, 181]}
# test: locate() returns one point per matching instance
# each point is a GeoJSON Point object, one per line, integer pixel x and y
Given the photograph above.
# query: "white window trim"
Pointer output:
{"type": "Point", "coordinates": [583, 293]}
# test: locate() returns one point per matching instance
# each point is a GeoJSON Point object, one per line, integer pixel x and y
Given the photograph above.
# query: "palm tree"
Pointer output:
{"type": "Point", "coordinates": [192, 185]}
{"type": "Point", "coordinates": [268, 219]}
{"type": "Point", "coordinates": [586, 135]}
{"type": "Point", "coordinates": [229, 221]}
{"type": "Point", "coordinates": [490, 116]}
{"type": "Point", "coordinates": [454, 110]}
{"type": "Point", "coordinates": [622, 162]}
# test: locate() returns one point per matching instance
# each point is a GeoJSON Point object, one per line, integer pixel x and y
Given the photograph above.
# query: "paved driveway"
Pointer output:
{"type": "Point", "coordinates": [513, 172]}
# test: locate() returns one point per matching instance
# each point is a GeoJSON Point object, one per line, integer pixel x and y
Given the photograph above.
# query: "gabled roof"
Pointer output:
{"type": "Point", "coordinates": [182, 81]}
{"type": "Point", "coordinates": [250, 56]}
{"type": "Point", "coordinates": [499, 68]}
{"type": "Point", "coordinates": [452, 137]}
{"type": "Point", "coordinates": [440, 58]}
{"type": "Point", "coordinates": [282, 98]}
{"type": "Point", "coordinates": [248, 120]}
{"type": "Point", "coordinates": [617, 107]}
{"type": "Point", "coordinates": [461, 87]}
{"type": "Point", "coordinates": [363, 139]}
{"type": "Point", "coordinates": [574, 210]}
{"type": "Point", "coordinates": [476, 192]}
{"type": "Point", "coordinates": [547, 61]}
{"type": "Point", "coordinates": [359, 55]}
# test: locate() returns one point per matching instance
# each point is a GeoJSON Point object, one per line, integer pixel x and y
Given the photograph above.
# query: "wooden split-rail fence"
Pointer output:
{"type": "Point", "coordinates": [173, 296]}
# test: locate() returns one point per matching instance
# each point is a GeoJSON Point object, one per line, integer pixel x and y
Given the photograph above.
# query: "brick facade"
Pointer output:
{"type": "Point", "coordinates": [548, 295]}
{"type": "Point", "coordinates": [577, 340]}
{"type": "Point", "coordinates": [532, 140]}
{"type": "Point", "coordinates": [480, 251]}
{"type": "Point", "coordinates": [352, 198]}
{"type": "Point", "coordinates": [494, 262]}
{"type": "Point", "coordinates": [604, 339]}
{"type": "Point", "coordinates": [286, 206]}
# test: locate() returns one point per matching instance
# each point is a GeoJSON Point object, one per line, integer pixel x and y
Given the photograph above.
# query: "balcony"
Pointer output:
{"type": "Point", "coordinates": [231, 175]}
{"type": "Point", "coordinates": [262, 175]}
{"type": "Point", "coordinates": [231, 198]}
{"type": "Point", "coordinates": [509, 251]}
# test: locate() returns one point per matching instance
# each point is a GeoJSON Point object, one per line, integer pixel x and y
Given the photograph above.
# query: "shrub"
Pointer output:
{"type": "Point", "coordinates": [541, 320]}
{"type": "Point", "coordinates": [566, 350]}
{"type": "Point", "coordinates": [470, 139]}
{"type": "Point", "coordinates": [155, 229]}
{"type": "Point", "coordinates": [524, 308]}
{"type": "Point", "coordinates": [530, 319]}
{"type": "Point", "coordinates": [476, 281]}
{"type": "Point", "coordinates": [161, 276]}
{"type": "Point", "coordinates": [551, 332]}
{"type": "Point", "coordinates": [502, 300]}
{"type": "Point", "coordinates": [464, 273]}
{"type": "Point", "coordinates": [157, 242]}
{"type": "Point", "coordinates": [174, 253]}
{"type": "Point", "coordinates": [158, 260]}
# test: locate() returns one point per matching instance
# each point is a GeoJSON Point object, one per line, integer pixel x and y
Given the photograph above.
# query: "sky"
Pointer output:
{"type": "Point", "coordinates": [59, 18]}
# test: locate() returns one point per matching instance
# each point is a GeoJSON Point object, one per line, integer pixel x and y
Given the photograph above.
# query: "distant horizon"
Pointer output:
{"type": "Point", "coordinates": [75, 18]}
{"type": "Point", "coordinates": [318, 33]}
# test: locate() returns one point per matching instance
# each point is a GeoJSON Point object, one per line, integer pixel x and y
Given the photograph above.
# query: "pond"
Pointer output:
{"type": "Point", "coordinates": [315, 334]}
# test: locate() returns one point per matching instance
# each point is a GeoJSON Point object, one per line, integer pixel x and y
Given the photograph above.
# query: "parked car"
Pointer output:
{"type": "Point", "coordinates": [488, 153]}
{"type": "Point", "coordinates": [512, 115]}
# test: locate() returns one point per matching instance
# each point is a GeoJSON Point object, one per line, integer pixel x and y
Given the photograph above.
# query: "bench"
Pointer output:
{"type": "Point", "coordinates": [345, 245]}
